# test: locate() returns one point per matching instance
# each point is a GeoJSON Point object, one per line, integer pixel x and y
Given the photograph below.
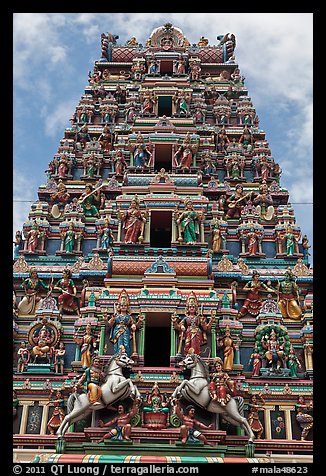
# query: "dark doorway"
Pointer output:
{"type": "Point", "coordinates": [166, 67]}
{"type": "Point", "coordinates": [157, 340]}
{"type": "Point", "coordinates": [163, 157]}
{"type": "Point", "coordinates": [161, 231]}
{"type": "Point", "coordinates": [165, 106]}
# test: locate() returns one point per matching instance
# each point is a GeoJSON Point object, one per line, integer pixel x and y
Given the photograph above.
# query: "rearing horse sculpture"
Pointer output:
{"type": "Point", "coordinates": [116, 387]}
{"type": "Point", "coordinates": [196, 391]}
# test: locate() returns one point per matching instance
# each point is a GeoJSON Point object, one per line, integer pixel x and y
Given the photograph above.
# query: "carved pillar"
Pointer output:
{"type": "Point", "coordinates": [102, 340]}
{"type": "Point", "coordinates": [260, 245]}
{"type": "Point", "coordinates": [62, 244]}
{"type": "Point", "coordinates": [243, 243]}
{"type": "Point", "coordinates": [119, 229]}
{"type": "Point", "coordinates": [173, 340]}
{"type": "Point", "coordinates": [24, 417]}
{"type": "Point", "coordinates": [147, 226]}
{"type": "Point", "coordinates": [141, 342]}
{"type": "Point", "coordinates": [45, 417]}
{"type": "Point", "coordinates": [202, 236]}
{"type": "Point", "coordinates": [288, 425]}
{"type": "Point", "coordinates": [267, 421]}
{"type": "Point", "coordinates": [308, 349]}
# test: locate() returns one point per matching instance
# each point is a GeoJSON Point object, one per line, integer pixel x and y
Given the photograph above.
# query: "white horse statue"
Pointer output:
{"type": "Point", "coordinates": [196, 391]}
{"type": "Point", "coordinates": [116, 387]}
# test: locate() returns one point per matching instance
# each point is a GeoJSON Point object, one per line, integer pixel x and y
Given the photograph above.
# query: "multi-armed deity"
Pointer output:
{"type": "Point", "coordinates": [123, 326]}
{"type": "Point", "coordinates": [193, 327]}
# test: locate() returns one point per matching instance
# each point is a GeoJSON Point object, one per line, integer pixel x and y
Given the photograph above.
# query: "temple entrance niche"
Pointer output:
{"type": "Point", "coordinates": [164, 106]}
{"type": "Point", "coordinates": [157, 339]}
{"type": "Point", "coordinates": [166, 67]}
{"type": "Point", "coordinates": [161, 229]}
{"type": "Point", "coordinates": [163, 157]}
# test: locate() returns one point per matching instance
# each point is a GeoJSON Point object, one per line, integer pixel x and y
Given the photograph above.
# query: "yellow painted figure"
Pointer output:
{"type": "Point", "coordinates": [288, 297]}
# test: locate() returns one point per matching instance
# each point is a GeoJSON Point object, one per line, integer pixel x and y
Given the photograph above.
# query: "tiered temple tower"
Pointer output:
{"type": "Point", "coordinates": [163, 227]}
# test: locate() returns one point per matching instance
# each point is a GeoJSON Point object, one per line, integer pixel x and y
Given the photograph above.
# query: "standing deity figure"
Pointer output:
{"type": "Point", "coordinates": [68, 290]}
{"type": "Point", "coordinates": [106, 139]}
{"type": "Point", "coordinates": [59, 358]}
{"type": "Point", "coordinates": [188, 224]}
{"type": "Point", "coordinates": [185, 154]}
{"type": "Point", "coordinates": [133, 222]}
{"type": "Point", "coordinates": [264, 203]}
{"type": "Point", "coordinates": [253, 302]}
{"type": "Point", "coordinates": [87, 343]}
{"type": "Point", "coordinates": [253, 417]}
{"type": "Point", "coordinates": [148, 100]}
{"type": "Point", "coordinates": [256, 361]}
{"type": "Point", "coordinates": [293, 363]}
{"type": "Point", "coordinates": [120, 164]}
{"type": "Point", "coordinates": [89, 200]}
{"type": "Point", "coordinates": [69, 237]}
{"type": "Point", "coordinates": [274, 348]}
{"type": "Point", "coordinates": [288, 297]}
{"type": "Point", "coordinates": [93, 377]}
{"type": "Point", "coordinates": [123, 326]}
{"type": "Point", "coordinates": [217, 236]}
{"type": "Point", "coordinates": [58, 414]}
{"type": "Point", "coordinates": [107, 237]}
{"type": "Point", "coordinates": [24, 356]}
{"type": "Point", "coordinates": [227, 343]}
{"type": "Point", "coordinates": [121, 423]}
{"type": "Point", "coordinates": [236, 201]}
{"type": "Point", "coordinates": [33, 288]}
{"type": "Point", "coordinates": [195, 69]}
{"type": "Point", "coordinates": [305, 246]}
{"type": "Point", "coordinates": [222, 140]}
{"type": "Point", "coordinates": [192, 327]}
{"type": "Point", "coordinates": [32, 238]}
{"type": "Point", "coordinates": [182, 102]}
{"type": "Point", "coordinates": [290, 241]}
{"type": "Point", "coordinates": [221, 387]}
{"type": "Point", "coordinates": [188, 432]}
{"type": "Point", "coordinates": [141, 152]}
{"type": "Point", "coordinates": [18, 243]}
{"type": "Point", "coordinates": [303, 418]}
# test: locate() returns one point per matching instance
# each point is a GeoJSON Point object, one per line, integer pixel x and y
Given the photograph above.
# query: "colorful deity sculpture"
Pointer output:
{"type": "Point", "coordinates": [121, 423]}
{"type": "Point", "coordinates": [23, 357]}
{"type": "Point", "coordinates": [134, 220]}
{"type": "Point", "coordinates": [87, 344]}
{"type": "Point", "coordinates": [68, 294]}
{"type": "Point", "coordinates": [33, 287]}
{"type": "Point", "coordinates": [288, 297]}
{"type": "Point", "coordinates": [192, 327]}
{"type": "Point", "coordinates": [252, 303]}
{"type": "Point", "coordinates": [93, 376]}
{"type": "Point", "coordinates": [253, 417]}
{"type": "Point", "coordinates": [304, 419]}
{"type": "Point", "coordinates": [228, 345]}
{"type": "Point", "coordinates": [122, 325]}
{"type": "Point", "coordinates": [188, 223]}
{"type": "Point", "coordinates": [56, 399]}
{"type": "Point", "coordinates": [188, 431]}
{"type": "Point", "coordinates": [221, 387]}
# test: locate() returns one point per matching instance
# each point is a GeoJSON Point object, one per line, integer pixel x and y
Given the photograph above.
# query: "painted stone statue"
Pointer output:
{"type": "Point", "coordinates": [122, 326]}
{"type": "Point", "coordinates": [192, 327]}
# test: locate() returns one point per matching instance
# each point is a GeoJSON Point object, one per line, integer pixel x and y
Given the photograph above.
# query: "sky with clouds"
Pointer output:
{"type": "Point", "coordinates": [53, 52]}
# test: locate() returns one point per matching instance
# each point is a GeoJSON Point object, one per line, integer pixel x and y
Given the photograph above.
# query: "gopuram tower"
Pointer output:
{"type": "Point", "coordinates": [163, 242]}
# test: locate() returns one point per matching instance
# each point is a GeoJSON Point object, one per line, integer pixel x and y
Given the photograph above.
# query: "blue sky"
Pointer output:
{"type": "Point", "coordinates": [53, 52]}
